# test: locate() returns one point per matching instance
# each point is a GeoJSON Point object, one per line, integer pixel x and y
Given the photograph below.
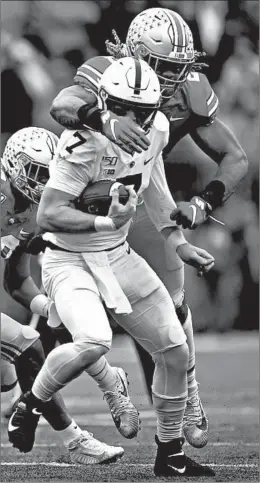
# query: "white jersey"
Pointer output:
{"type": "Point", "coordinates": [86, 156]}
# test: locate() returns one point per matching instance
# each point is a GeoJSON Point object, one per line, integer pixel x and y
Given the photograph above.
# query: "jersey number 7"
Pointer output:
{"type": "Point", "coordinates": [81, 140]}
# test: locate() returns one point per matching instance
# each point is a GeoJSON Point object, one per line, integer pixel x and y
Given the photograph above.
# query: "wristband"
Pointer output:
{"type": "Point", "coordinates": [90, 117]}
{"type": "Point", "coordinates": [214, 193]}
{"type": "Point", "coordinates": [40, 305]}
{"type": "Point", "coordinates": [104, 223]}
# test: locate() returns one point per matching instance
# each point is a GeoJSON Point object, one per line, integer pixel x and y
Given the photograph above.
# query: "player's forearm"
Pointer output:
{"type": "Point", "coordinates": [76, 107]}
{"type": "Point", "coordinates": [220, 144]}
{"type": "Point", "coordinates": [65, 111]}
{"type": "Point", "coordinates": [231, 171]}
{"type": "Point", "coordinates": [65, 219]}
{"type": "Point", "coordinates": [175, 235]}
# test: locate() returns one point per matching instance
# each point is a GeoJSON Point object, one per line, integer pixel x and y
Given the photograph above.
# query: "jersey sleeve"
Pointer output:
{"type": "Point", "coordinates": [157, 197]}
{"type": "Point", "coordinates": [89, 74]}
{"type": "Point", "coordinates": [201, 98]}
{"type": "Point", "coordinates": [74, 162]}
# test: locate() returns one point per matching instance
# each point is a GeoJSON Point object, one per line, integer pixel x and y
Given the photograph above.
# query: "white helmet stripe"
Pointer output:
{"type": "Point", "coordinates": [183, 34]}
{"type": "Point", "coordinates": [175, 39]}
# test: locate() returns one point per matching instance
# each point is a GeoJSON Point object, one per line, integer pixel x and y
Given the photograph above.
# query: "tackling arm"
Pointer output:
{"type": "Point", "coordinates": [76, 108]}
{"type": "Point", "coordinates": [220, 144]}
{"type": "Point", "coordinates": [19, 284]}
{"type": "Point", "coordinates": [65, 107]}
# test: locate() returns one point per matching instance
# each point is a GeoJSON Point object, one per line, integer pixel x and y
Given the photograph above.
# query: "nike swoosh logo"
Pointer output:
{"type": "Point", "coordinates": [194, 209]}
{"type": "Point", "coordinates": [112, 124]}
{"type": "Point", "coordinates": [178, 470]}
{"type": "Point", "coordinates": [24, 233]}
{"type": "Point", "coordinates": [37, 413]}
{"type": "Point", "coordinates": [37, 150]}
{"type": "Point", "coordinates": [176, 118]}
{"type": "Point", "coordinates": [10, 425]}
{"type": "Point", "coordinates": [148, 160]}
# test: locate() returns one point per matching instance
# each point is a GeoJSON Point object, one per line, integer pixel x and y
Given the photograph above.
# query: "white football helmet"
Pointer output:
{"type": "Point", "coordinates": [162, 38]}
{"type": "Point", "coordinates": [26, 159]}
{"type": "Point", "coordinates": [130, 84]}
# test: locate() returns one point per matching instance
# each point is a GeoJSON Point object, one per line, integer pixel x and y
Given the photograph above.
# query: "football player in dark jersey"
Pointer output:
{"type": "Point", "coordinates": [24, 172]}
{"type": "Point", "coordinates": [162, 38]}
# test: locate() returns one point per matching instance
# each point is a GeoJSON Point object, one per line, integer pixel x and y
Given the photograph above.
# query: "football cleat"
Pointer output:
{"type": "Point", "coordinates": [86, 450]}
{"type": "Point", "coordinates": [22, 426]}
{"type": "Point", "coordinates": [172, 461]}
{"type": "Point", "coordinates": [195, 422]}
{"type": "Point", "coordinates": [124, 413]}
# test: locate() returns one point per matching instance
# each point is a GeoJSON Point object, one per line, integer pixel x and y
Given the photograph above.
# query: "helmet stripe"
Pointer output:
{"type": "Point", "coordinates": [138, 77]}
{"type": "Point", "coordinates": [175, 39]}
{"type": "Point", "coordinates": [179, 30]}
{"type": "Point", "coordinates": [180, 24]}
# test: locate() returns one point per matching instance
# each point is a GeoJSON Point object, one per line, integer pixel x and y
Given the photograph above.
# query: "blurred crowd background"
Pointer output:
{"type": "Point", "coordinates": [43, 43]}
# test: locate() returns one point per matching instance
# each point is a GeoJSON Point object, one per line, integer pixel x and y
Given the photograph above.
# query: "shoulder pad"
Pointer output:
{"type": "Point", "coordinates": [89, 73]}
{"type": "Point", "coordinates": [161, 125]}
{"type": "Point", "coordinates": [161, 122]}
{"type": "Point", "coordinates": [200, 96]}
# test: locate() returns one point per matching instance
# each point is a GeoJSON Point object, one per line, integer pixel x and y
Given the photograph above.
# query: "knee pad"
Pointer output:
{"type": "Point", "coordinates": [29, 333]}
{"type": "Point", "coordinates": [15, 338]}
{"type": "Point", "coordinates": [82, 338]}
{"type": "Point", "coordinates": [173, 357]}
{"type": "Point", "coordinates": [90, 352]}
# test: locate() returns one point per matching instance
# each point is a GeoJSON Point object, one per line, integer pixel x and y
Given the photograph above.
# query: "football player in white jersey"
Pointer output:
{"type": "Point", "coordinates": [28, 179]}
{"type": "Point", "coordinates": [88, 262]}
{"type": "Point", "coordinates": [24, 171]}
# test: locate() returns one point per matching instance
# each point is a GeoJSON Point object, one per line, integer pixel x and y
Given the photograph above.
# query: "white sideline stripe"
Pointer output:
{"type": "Point", "coordinates": [126, 465]}
{"type": "Point", "coordinates": [216, 444]}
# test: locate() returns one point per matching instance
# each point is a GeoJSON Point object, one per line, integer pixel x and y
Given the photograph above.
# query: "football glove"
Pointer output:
{"type": "Point", "coordinates": [191, 214]}
{"type": "Point", "coordinates": [124, 132]}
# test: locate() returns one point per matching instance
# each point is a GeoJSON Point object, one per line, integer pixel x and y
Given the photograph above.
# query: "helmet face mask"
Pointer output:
{"type": "Point", "coordinates": [32, 179]}
{"type": "Point", "coordinates": [163, 39]}
{"type": "Point", "coordinates": [26, 160]}
{"type": "Point", "coordinates": [171, 73]}
{"type": "Point", "coordinates": [120, 94]}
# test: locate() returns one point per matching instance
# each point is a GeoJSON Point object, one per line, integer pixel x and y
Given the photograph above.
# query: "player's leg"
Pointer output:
{"type": "Point", "coordinates": [151, 245]}
{"type": "Point", "coordinates": [82, 312]}
{"type": "Point", "coordinates": [80, 309]}
{"type": "Point", "coordinates": [8, 376]}
{"type": "Point", "coordinates": [20, 345]}
{"type": "Point", "coordinates": [23, 350]}
{"type": "Point", "coordinates": [154, 324]}
{"type": "Point", "coordinates": [112, 381]}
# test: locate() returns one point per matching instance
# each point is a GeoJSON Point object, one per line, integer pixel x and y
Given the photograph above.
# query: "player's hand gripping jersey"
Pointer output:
{"type": "Point", "coordinates": [194, 104]}
{"type": "Point", "coordinates": [87, 156]}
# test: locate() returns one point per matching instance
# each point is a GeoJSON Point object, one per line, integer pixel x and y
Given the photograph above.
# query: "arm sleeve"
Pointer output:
{"type": "Point", "coordinates": [158, 199]}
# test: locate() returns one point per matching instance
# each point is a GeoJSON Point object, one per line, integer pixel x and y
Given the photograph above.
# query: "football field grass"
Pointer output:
{"type": "Point", "coordinates": [227, 369]}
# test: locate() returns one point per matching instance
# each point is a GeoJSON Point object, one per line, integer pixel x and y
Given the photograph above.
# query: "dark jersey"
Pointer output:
{"type": "Point", "coordinates": [194, 105]}
{"type": "Point", "coordinates": [15, 226]}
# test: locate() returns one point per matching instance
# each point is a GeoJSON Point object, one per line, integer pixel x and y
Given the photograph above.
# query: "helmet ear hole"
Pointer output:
{"type": "Point", "coordinates": [141, 52]}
